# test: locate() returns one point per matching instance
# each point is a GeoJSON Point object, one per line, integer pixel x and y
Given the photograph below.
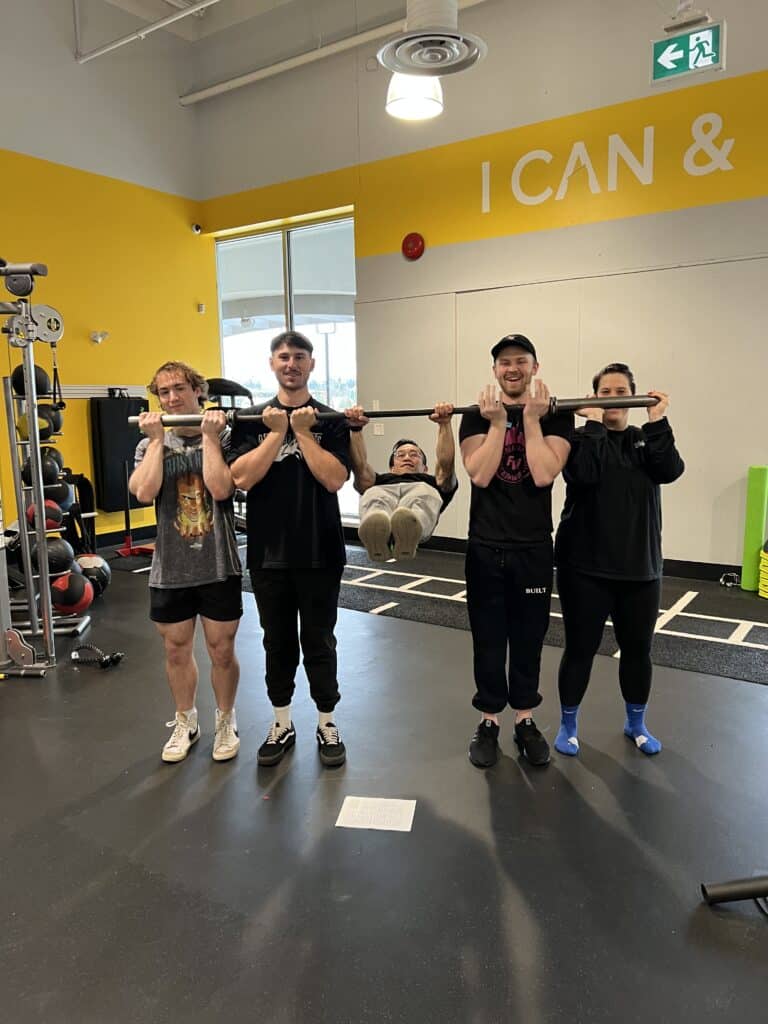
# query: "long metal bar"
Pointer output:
{"type": "Point", "coordinates": [556, 405]}
{"type": "Point", "coordinates": [21, 512]}
{"type": "Point", "coordinates": [142, 33]}
{"type": "Point", "coordinates": [740, 889]}
{"type": "Point", "coordinates": [340, 46]}
{"type": "Point", "coordinates": [38, 494]}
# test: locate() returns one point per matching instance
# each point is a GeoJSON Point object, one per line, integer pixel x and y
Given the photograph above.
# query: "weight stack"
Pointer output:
{"type": "Point", "coordinates": [113, 443]}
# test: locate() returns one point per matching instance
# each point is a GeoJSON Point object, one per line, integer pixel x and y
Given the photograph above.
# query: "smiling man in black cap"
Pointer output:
{"type": "Point", "coordinates": [513, 450]}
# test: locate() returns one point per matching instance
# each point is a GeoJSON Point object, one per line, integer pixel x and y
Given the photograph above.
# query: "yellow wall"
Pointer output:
{"type": "Point", "coordinates": [439, 191]}
{"type": "Point", "coordinates": [121, 259]}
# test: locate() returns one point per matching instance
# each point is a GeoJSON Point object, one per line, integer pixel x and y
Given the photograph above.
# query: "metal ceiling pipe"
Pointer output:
{"type": "Point", "coordinates": [142, 33]}
{"type": "Point", "coordinates": [350, 43]}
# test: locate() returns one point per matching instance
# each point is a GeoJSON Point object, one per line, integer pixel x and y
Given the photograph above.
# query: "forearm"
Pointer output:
{"type": "Point", "coordinates": [147, 479]}
{"type": "Point", "coordinates": [323, 466]}
{"type": "Point", "coordinates": [363, 472]}
{"type": "Point", "coordinates": [217, 475]}
{"type": "Point", "coordinates": [585, 464]}
{"type": "Point", "coordinates": [445, 453]}
{"type": "Point", "coordinates": [662, 458]}
{"type": "Point", "coordinates": [482, 464]}
{"type": "Point", "coordinates": [252, 467]}
{"type": "Point", "coordinates": [542, 461]}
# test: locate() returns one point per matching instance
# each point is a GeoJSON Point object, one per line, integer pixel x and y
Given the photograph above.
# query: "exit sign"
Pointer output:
{"type": "Point", "coordinates": [700, 49]}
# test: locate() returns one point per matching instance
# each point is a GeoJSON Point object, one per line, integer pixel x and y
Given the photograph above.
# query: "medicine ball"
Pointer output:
{"type": "Point", "coordinates": [58, 492]}
{"type": "Point", "coordinates": [97, 570]}
{"type": "Point", "coordinates": [53, 453]}
{"type": "Point", "coordinates": [42, 381]}
{"type": "Point", "coordinates": [60, 556]}
{"type": "Point", "coordinates": [71, 593]}
{"type": "Point", "coordinates": [54, 414]}
{"type": "Point", "coordinates": [44, 425]}
{"type": "Point", "coordinates": [66, 503]}
{"type": "Point", "coordinates": [49, 467]}
{"type": "Point", "coordinates": [53, 515]}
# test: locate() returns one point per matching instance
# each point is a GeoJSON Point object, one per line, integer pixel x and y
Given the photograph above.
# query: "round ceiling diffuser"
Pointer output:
{"type": "Point", "coordinates": [432, 52]}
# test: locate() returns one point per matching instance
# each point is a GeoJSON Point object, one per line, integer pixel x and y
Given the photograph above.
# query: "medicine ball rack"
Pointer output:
{"type": "Point", "coordinates": [24, 328]}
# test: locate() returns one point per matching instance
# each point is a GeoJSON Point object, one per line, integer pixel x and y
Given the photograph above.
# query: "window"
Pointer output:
{"type": "Point", "coordinates": [302, 278]}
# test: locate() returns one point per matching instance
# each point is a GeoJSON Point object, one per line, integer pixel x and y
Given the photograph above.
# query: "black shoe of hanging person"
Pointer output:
{"type": "Point", "coordinates": [532, 744]}
{"type": "Point", "coordinates": [484, 748]}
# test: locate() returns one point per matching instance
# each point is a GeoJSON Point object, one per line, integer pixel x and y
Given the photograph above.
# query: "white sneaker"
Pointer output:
{"type": "Point", "coordinates": [226, 742]}
{"type": "Point", "coordinates": [186, 731]}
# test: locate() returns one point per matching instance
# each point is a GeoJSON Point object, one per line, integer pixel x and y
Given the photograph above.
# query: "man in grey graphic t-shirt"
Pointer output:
{"type": "Point", "coordinates": [195, 569]}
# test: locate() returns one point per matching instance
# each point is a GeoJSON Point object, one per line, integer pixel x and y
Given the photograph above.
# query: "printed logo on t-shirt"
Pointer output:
{"type": "Point", "coordinates": [194, 515]}
{"type": "Point", "coordinates": [513, 466]}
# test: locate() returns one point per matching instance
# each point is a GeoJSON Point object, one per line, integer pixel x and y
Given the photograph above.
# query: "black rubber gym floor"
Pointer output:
{"type": "Point", "coordinates": [140, 892]}
{"type": "Point", "coordinates": [704, 627]}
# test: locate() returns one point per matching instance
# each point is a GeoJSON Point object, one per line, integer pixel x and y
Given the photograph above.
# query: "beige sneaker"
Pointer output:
{"type": "Point", "coordinates": [186, 731]}
{"type": "Point", "coordinates": [406, 529]}
{"type": "Point", "coordinates": [374, 531]}
{"type": "Point", "coordinates": [226, 742]}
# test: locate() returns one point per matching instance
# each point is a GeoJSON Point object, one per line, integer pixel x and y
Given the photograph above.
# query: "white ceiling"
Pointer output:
{"type": "Point", "coordinates": [336, 18]}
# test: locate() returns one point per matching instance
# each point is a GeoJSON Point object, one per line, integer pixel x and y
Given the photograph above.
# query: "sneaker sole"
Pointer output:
{"type": "Point", "coordinates": [534, 764]}
{"type": "Point", "coordinates": [272, 759]}
{"type": "Point", "coordinates": [406, 529]}
{"type": "Point", "coordinates": [332, 762]}
{"type": "Point", "coordinates": [173, 758]}
{"type": "Point", "coordinates": [374, 532]}
{"type": "Point", "coordinates": [482, 766]}
{"type": "Point", "coordinates": [226, 757]}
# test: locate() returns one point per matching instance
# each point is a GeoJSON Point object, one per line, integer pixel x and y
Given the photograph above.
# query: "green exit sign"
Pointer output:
{"type": "Point", "coordinates": [700, 49]}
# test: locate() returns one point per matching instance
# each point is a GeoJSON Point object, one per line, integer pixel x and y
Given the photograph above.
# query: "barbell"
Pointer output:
{"type": "Point", "coordinates": [555, 405]}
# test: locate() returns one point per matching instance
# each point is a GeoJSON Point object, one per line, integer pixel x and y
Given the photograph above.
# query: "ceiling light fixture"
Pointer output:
{"type": "Point", "coordinates": [414, 97]}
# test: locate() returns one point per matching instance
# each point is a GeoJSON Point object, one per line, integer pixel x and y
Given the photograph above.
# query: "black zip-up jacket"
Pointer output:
{"type": "Point", "coordinates": [611, 521]}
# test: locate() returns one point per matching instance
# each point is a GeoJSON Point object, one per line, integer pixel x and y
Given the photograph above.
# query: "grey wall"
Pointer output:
{"type": "Point", "coordinates": [117, 115]}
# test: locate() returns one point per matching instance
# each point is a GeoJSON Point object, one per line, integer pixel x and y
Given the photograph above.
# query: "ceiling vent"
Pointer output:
{"type": "Point", "coordinates": [432, 43]}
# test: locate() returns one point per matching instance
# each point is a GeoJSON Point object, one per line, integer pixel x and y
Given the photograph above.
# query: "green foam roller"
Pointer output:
{"type": "Point", "coordinates": [754, 526]}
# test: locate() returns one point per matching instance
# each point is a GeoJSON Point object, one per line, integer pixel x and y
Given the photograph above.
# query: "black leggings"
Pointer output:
{"type": "Point", "coordinates": [586, 602]}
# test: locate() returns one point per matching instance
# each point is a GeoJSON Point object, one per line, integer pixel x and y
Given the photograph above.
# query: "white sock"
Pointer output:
{"type": "Point", "coordinates": [283, 716]}
{"type": "Point", "coordinates": [324, 717]}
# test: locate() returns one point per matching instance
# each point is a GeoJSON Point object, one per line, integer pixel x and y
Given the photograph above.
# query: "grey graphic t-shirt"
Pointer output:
{"type": "Point", "coordinates": [196, 541]}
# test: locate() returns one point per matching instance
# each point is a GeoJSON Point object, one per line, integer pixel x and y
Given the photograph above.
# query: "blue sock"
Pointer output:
{"type": "Point", "coordinates": [566, 741]}
{"type": "Point", "coordinates": [637, 730]}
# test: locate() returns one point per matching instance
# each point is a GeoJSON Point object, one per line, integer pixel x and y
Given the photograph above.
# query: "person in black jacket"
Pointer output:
{"type": "Point", "coordinates": [608, 550]}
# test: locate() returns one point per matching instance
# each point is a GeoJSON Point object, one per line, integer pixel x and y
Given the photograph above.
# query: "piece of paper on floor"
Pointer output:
{"type": "Point", "coordinates": [372, 812]}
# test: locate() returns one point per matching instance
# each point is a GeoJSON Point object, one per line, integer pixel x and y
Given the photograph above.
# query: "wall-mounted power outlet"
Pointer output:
{"type": "Point", "coordinates": [378, 429]}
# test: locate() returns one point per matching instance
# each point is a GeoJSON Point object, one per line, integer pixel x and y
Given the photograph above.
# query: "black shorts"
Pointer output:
{"type": "Point", "coordinates": [221, 601]}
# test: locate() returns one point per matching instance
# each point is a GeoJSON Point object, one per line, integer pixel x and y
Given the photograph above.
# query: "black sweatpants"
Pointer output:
{"type": "Point", "coordinates": [587, 601]}
{"type": "Point", "coordinates": [508, 597]}
{"type": "Point", "coordinates": [299, 607]}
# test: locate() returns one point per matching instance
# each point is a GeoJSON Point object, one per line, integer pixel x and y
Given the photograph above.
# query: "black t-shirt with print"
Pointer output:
{"type": "Point", "coordinates": [446, 492]}
{"type": "Point", "coordinates": [512, 510]}
{"type": "Point", "coordinates": [292, 521]}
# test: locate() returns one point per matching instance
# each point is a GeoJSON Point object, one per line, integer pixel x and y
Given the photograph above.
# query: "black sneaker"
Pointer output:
{"type": "Point", "coordinates": [278, 740]}
{"type": "Point", "coordinates": [532, 744]}
{"type": "Point", "coordinates": [484, 748]}
{"type": "Point", "coordinates": [332, 751]}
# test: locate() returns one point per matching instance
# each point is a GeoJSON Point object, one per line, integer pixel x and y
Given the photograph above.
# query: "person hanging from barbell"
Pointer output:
{"type": "Point", "coordinates": [400, 509]}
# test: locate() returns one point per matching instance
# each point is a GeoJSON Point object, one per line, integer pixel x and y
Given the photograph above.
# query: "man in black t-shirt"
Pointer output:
{"type": "Point", "coordinates": [292, 465]}
{"type": "Point", "coordinates": [399, 509]}
{"type": "Point", "coordinates": [512, 450]}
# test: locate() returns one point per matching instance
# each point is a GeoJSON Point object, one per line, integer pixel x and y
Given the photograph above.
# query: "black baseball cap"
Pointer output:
{"type": "Point", "coordinates": [519, 341]}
